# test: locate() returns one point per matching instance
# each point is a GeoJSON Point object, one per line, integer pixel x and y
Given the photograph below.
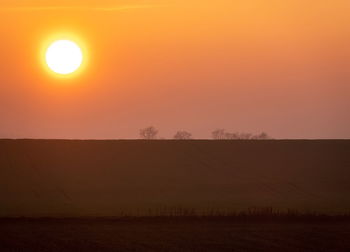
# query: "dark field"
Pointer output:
{"type": "Point", "coordinates": [180, 234]}
{"type": "Point", "coordinates": [82, 188]}
{"type": "Point", "coordinates": [106, 178]}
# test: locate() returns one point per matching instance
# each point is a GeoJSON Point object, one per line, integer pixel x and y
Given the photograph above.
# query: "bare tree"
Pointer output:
{"type": "Point", "coordinates": [149, 133]}
{"type": "Point", "coordinates": [245, 136]}
{"type": "Point", "coordinates": [182, 135]}
{"type": "Point", "coordinates": [231, 136]}
{"type": "Point", "coordinates": [218, 134]}
{"type": "Point", "coordinates": [221, 134]}
{"type": "Point", "coordinates": [262, 136]}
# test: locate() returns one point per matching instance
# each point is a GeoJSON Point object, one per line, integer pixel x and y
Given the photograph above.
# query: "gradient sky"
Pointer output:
{"type": "Point", "coordinates": [244, 65]}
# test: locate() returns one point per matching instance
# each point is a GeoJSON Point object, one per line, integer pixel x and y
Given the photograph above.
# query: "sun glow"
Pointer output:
{"type": "Point", "coordinates": [64, 57]}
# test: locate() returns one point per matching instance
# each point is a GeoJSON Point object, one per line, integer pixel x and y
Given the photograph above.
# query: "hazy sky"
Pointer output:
{"type": "Point", "coordinates": [244, 65]}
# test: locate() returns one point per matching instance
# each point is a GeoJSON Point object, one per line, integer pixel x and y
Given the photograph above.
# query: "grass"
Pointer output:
{"type": "Point", "coordinates": [173, 213]}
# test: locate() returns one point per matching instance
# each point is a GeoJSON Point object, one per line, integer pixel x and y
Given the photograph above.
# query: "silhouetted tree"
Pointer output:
{"type": "Point", "coordinates": [148, 133]}
{"type": "Point", "coordinates": [218, 134]}
{"type": "Point", "coordinates": [182, 135]}
{"type": "Point", "coordinates": [221, 134]}
{"type": "Point", "coordinates": [231, 136]}
{"type": "Point", "coordinates": [245, 136]}
{"type": "Point", "coordinates": [261, 136]}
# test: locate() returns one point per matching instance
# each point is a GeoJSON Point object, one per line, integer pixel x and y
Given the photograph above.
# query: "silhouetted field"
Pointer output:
{"type": "Point", "coordinates": [173, 234]}
{"type": "Point", "coordinates": [174, 195]}
{"type": "Point", "coordinates": [111, 178]}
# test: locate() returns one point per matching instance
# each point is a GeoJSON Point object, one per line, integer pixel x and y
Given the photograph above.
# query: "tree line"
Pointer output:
{"type": "Point", "coordinates": [151, 133]}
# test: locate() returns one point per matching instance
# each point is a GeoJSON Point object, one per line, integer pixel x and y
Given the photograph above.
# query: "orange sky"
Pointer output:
{"type": "Point", "coordinates": [245, 65]}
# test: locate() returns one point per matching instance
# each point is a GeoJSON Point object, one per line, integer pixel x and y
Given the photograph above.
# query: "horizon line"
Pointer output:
{"type": "Point", "coordinates": [172, 139]}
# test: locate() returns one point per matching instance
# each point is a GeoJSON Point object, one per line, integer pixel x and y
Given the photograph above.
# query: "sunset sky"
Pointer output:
{"type": "Point", "coordinates": [244, 65]}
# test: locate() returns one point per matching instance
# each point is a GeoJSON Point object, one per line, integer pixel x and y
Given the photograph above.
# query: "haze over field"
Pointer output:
{"type": "Point", "coordinates": [246, 65]}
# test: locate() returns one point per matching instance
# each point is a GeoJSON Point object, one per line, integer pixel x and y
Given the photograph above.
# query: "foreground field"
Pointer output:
{"type": "Point", "coordinates": [107, 178]}
{"type": "Point", "coordinates": [172, 235]}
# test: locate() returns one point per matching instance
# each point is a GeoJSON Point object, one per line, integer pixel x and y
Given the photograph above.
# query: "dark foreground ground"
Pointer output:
{"type": "Point", "coordinates": [103, 178]}
{"type": "Point", "coordinates": [173, 234]}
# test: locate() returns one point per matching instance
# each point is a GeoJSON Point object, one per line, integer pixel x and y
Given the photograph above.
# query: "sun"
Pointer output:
{"type": "Point", "coordinates": [64, 57]}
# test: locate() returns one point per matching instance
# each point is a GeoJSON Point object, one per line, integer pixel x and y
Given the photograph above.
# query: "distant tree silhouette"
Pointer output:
{"type": "Point", "coordinates": [261, 136]}
{"type": "Point", "coordinates": [221, 134]}
{"type": "Point", "coordinates": [245, 136]}
{"type": "Point", "coordinates": [149, 133]}
{"type": "Point", "coordinates": [218, 134]}
{"type": "Point", "coordinates": [182, 135]}
{"type": "Point", "coordinates": [231, 136]}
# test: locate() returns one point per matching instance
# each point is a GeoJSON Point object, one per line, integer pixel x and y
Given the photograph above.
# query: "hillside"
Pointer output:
{"type": "Point", "coordinates": [103, 178]}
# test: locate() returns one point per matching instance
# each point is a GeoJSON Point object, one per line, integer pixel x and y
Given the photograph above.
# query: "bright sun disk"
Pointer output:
{"type": "Point", "coordinates": [64, 57]}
